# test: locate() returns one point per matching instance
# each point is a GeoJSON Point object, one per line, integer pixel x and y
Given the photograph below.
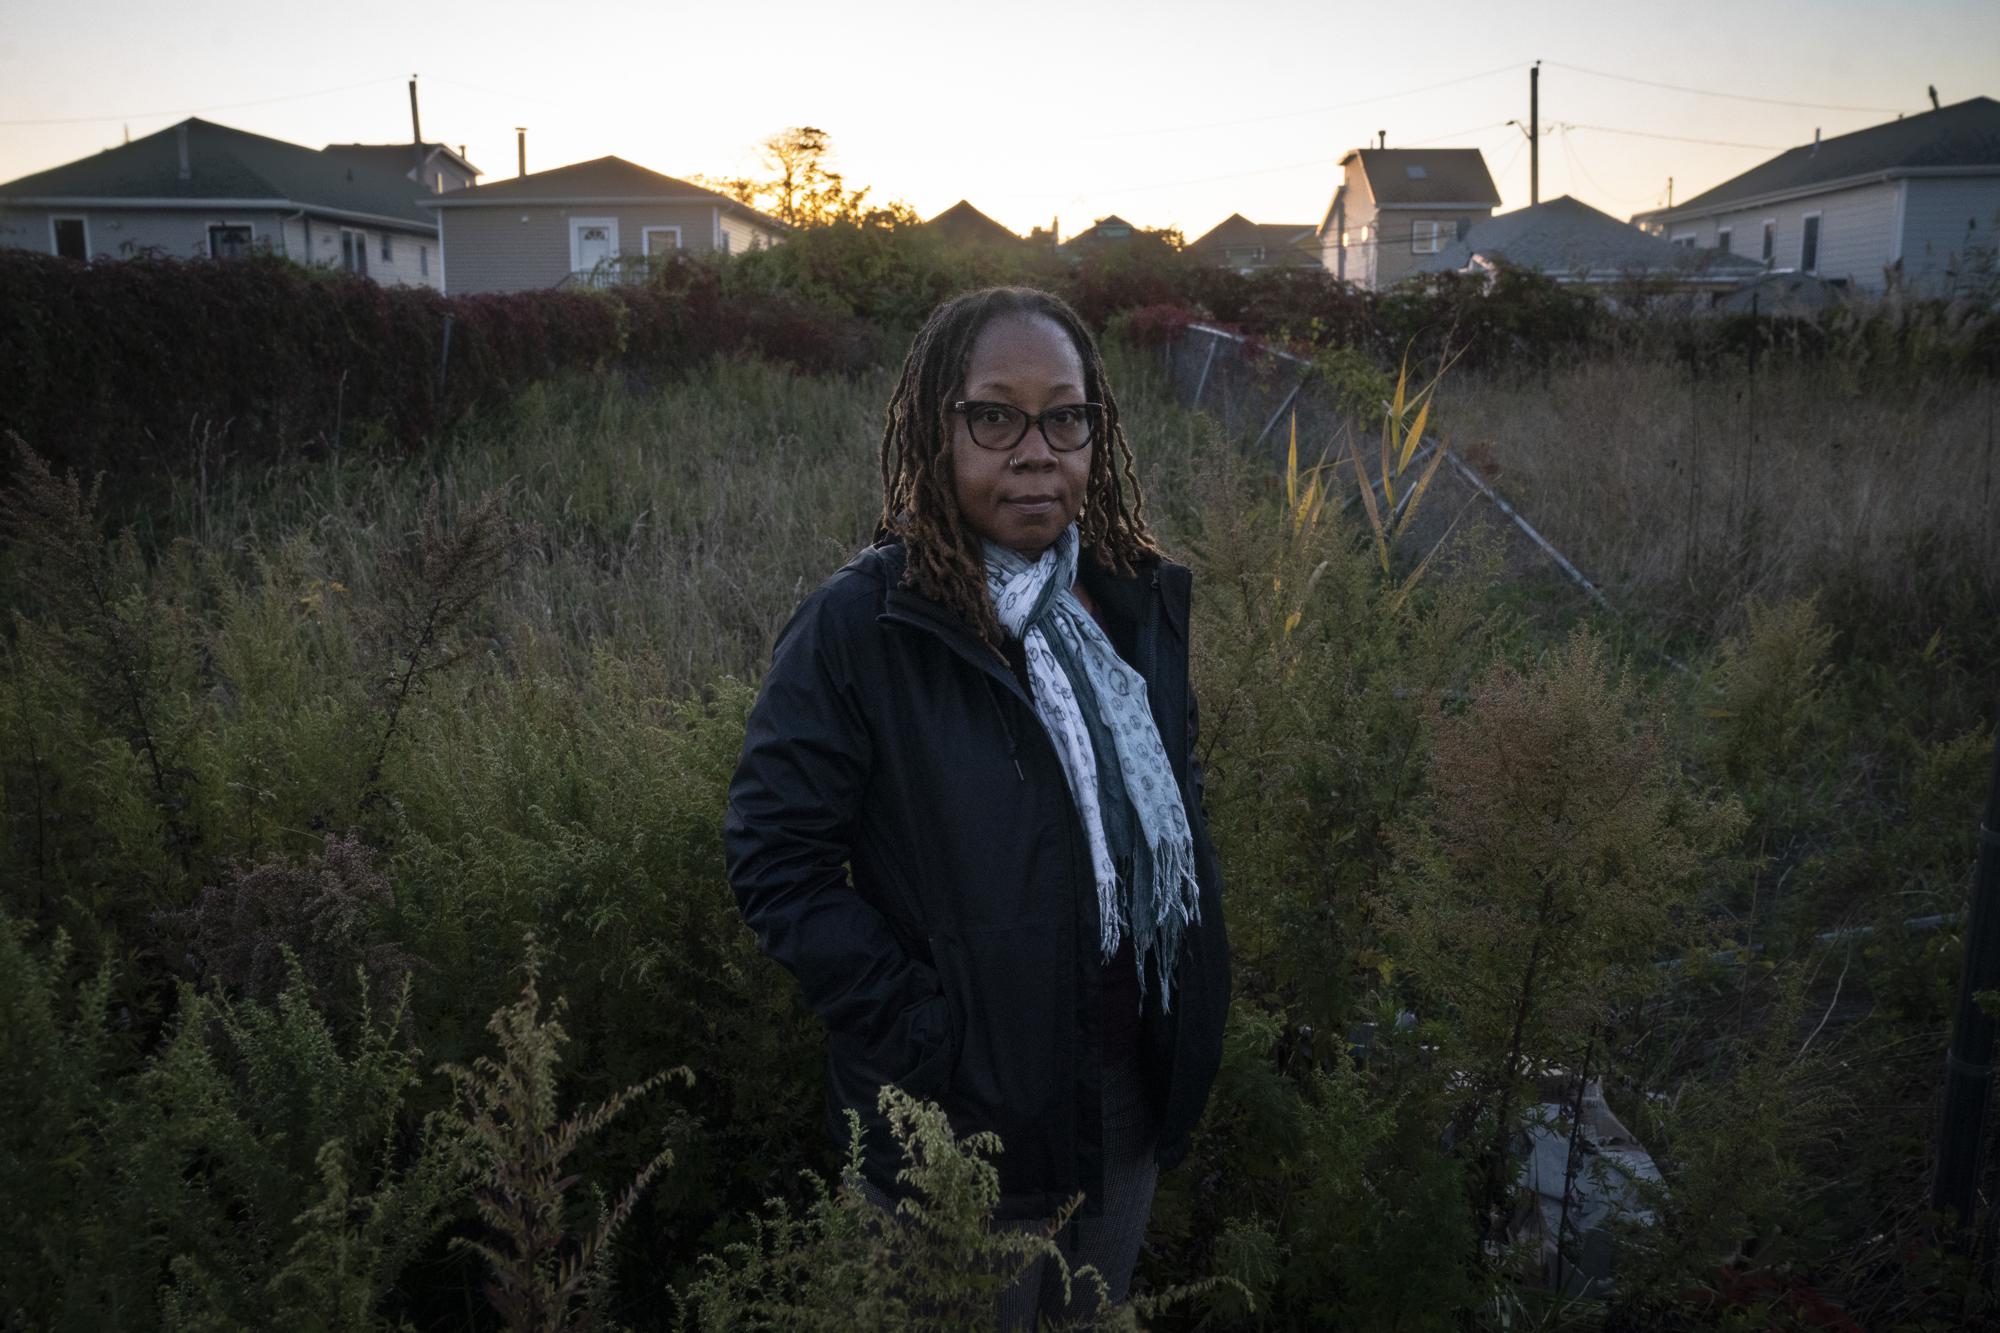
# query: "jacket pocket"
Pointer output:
{"type": "Point", "coordinates": [917, 1056]}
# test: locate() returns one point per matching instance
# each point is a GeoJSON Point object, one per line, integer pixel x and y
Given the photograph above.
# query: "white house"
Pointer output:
{"type": "Point", "coordinates": [202, 190]}
{"type": "Point", "coordinates": [1916, 199]}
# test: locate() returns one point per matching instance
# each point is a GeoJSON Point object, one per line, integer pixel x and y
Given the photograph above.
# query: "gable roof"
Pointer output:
{"type": "Point", "coordinates": [1960, 137]}
{"type": "Point", "coordinates": [224, 164]}
{"type": "Point", "coordinates": [396, 157]}
{"type": "Point", "coordinates": [963, 224]}
{"type": "Point", "coordinates": [1567, 238]}
{"type": "Point", "coordinates": [1104, 230]}
{"type": "Point", "coordinates": [1282, 243]}
{"type": "Point", "coordinates": [1426, 176]}
{"type": "Point", "coordinates": [602, 180]}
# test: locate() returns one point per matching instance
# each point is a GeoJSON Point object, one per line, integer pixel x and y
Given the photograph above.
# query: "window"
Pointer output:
{"type": "Point", "coordinates": [1346, 239]}
{"type": "Point", "coordinates": [354, 250]}
{"type": "Point", "coordinates": [1415, 173]}
{"type": "Point", "coordinates": [68, 238]}
{"type": "Point", "coordinates": [1723, 240]}
{"type": "Point", "coordinates": [1427, 237]}
{"type": "Point", "coordinates": [423, 261]}
{"type": "Point", "coordinates": [1770, 239]}
{"type": "Point", "coordinates": [660, 240]}
{"type": "Point", "coordinates": [725, 241]}
{"type": "Point", "coordinates": [388, 249]}
{"type": "Point", "coordinates": [1683, 240]}
{"type": "Point", "coordinates": [228, 240]}
{"type": "Point", "coordinates": [1809, 245]}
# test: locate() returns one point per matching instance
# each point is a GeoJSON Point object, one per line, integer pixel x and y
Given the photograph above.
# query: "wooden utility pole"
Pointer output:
{"type": "Point", "coordinates": [1535, 134]}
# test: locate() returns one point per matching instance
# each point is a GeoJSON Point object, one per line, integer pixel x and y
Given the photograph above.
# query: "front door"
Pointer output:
{"type": "Point", "coordinates": [593, 241]}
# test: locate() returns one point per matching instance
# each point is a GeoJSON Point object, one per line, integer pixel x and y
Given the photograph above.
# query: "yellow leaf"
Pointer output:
{"type": "Point", "coordinates": [1292, 622]}
{"type": "Point", "coordinates": [1292, 465]}
{"type": "Point", "coordinates": [1417, 494]}
{"type": "Point", "coordinates": [1374, 514]}
{"type": "Point", "coordinates": [1277, 584]}
{"type": "Point", "coordinates": [1416, 434]}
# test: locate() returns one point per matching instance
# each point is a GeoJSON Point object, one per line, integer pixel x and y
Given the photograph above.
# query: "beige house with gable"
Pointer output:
{"type": "Point", "coordinates": [1396, 206]}
{"type": "Point", "coordinates": [582, 223]}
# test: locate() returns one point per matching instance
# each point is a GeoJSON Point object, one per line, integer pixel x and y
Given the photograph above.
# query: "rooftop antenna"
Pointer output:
{"type": "Point", "coordinates": [1931, 88]}
{"type": "Point", "coordinates": [521, 145]}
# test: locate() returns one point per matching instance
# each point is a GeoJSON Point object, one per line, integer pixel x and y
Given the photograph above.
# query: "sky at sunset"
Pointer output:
{"type": "Point", "coordinates": [1167, 113]}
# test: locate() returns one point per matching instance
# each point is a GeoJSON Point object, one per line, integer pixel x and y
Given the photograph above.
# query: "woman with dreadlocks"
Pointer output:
{"type": "Point", "coordinates": [967, 816]}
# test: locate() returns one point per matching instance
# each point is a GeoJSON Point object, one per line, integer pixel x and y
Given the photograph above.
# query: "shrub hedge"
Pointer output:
{"type": "Point", "coordinates": [122, 365]}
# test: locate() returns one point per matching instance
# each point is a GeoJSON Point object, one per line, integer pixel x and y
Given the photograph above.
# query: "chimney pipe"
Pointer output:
{"type": "Point", "coordinates": [181, 139]}
{"type": "Point", "coordinates": [1381, 138]}
{"type": "Point", "coordinates": [416, 135]}
{"type": "Point", "coordinates": [521, 144]}
{"type": "Point", "coordinates": [1815, 138]}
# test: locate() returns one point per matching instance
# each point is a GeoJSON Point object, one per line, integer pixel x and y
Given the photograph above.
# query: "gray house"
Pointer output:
{"type": "Point", "coordinates": [434, 166]}
{"type": "Point", "coordinates": [198, 189]}
{"type": "Point", "coordinates": [1394, 206]}
{"type": "Point", "coordinates": [1569, 241]}
{"type": "Point", "coordinates": [1237, 242]}
{"type": "Point", "coordinates": [584, 223]}
{"type": "Point", "coordinates": [1916, 198]}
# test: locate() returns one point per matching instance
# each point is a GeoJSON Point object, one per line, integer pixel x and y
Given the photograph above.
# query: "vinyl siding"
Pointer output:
{"type": "Point", "coordinates": [1943, 217]}
{"type": "Point", "coordinates": [403, 269]}
{"type": "Point", "coordinates": [742, 235]}
{"type": "Point", "coordinates": [1856, 231]}
{"type": "Point", "coordinates": [521, 247]}
{"type": "Point", "coordinates": [122, 232]}
{"type": "Point", "coordinates": [1395, 228]}
{"type": "Point", "coordinates": [119, 233]}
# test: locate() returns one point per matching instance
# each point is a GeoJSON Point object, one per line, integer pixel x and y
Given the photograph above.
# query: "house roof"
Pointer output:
{"type": "Point", "coordinates": [602, 180]}
{"type": "Point", "coordinates": [1282, 243]}
{"type": "Point", "coordinates": [225, 164]}
{"type": "Point", "coordinates": [1426, 176]}
{"type": "Point", "coordinates": [1567, 238]}
{"type": "Point", "coordinates": [1112, 228]}
{"type": "Point", "coordinates": [963, 224]}
{"type": "Point", "coordinates": [1964, 135]}
{"type": "Point", "coordinates": [394, 157]}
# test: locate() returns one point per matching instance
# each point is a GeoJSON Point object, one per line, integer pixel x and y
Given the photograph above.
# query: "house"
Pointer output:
{"type": "Point", "coordinates": [432, 165]}
{"type": "Point", "coordinates": [585, 221]}
{"type": "Point", "coordinates": [1395, 205]}
{"type": "Point", "coordinates": [199, 189]}
{"type": "Point", "coordinates": [962, 224]}
{"type": "Point", "coordinates": [1112, 230]}
{"type": "Point", "coordinates": [1916, 197]}
{"type": "Point", "coordinates": [1237, 242]}
{"type": "Point", "coordinates": [1573, 243]}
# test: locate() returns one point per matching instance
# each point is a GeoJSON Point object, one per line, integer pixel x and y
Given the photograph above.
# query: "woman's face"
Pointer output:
{"type": "Point", "coordinates": [1021, 498]}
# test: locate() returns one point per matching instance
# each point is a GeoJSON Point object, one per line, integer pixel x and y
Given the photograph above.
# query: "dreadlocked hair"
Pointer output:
{"type": "Point", "coordinates": [919, 505]}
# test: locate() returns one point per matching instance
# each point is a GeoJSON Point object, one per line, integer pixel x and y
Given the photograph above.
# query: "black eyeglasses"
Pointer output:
{"type": "Point", "coordinates": [1001, 426]}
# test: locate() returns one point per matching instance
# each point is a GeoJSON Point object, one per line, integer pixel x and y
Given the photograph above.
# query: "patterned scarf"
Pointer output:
{"type": "Point", "coordinates": [1094, 709]}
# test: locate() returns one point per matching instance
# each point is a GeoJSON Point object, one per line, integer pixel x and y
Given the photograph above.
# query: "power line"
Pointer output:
{"type": "Point", "coordinates": [195, 111]}
{"type": "Point", "coordinates": [1711, 92]}
{"type": "Point", "coordinates": [1677, 138]}
{"type": "Point", "coordinates": [1313, 110]}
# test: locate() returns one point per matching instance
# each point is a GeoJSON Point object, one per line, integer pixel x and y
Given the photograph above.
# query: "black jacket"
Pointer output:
{"type": "Point", "coordinates": [959, 960]}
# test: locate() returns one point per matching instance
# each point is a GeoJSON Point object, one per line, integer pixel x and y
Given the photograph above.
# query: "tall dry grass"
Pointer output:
{"type": "Point", "coordinates": [683, 523]}
{"type": "Point", "coordinates": [1684, 495]}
